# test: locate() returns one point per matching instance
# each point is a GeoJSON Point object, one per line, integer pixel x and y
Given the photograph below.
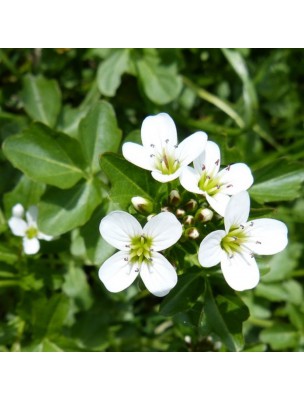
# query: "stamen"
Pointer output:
{"type": "Point", "coordinates": [136, 270]}
{"type": "Point", "coordinates": [152, 155]}
{"type": "Point", "coordinates": [229, 186]}
{"type": "Point", "coordinates": [251, 223]}
{"type": "Point", "coordinates": [152, 145]}
{"type": "Point", "coordinates": [217, 162]}
{"type": "Point", "coordinates": [251, 255]}
{"type": "Point", "coordinates": [257, 242]}
{"type": "Point", "coordinates": [228, 167]}
{"type": "Point", "coordinates": [167, 140]}
{"type": "Point", "coordinates": [242, 226]}
{"type": "Point", "coordinates": [230, 256]}
{"type": "Point", "coordinates": [127, 245]}
{"type": "Point", "coordinates": [176, 146]}
{"type": "Point", "coordinates": [203, 167]}
{"type": "Point", "coordinates": [126, 259]}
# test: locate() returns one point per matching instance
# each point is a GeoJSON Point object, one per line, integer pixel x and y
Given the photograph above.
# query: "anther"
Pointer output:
{"type": "Point", "coordinates": [152, 145]}
{"type": "Point", "coordinates": [136, 270]}
{"type": "Point", "coordinates": [231, 256]}
{"type": "Point", "coordinates": [126, 259]}
{"type": "Point", "coordinates": [242, 226]}
{"type": "Point", "coordinates": [251, 223]}
{"type": "Point", "coordinates": [257, 242]}
{"type": "Point", "coordinates": [235, 238]}
{"type": "Point", "coordinates": [167, 140]}
{"type": "Point", "coordinates": [150, 259]}
{"type": "Point", "coordinates": [218, 186]}
{"type": "Point", "coordinates": [251, 255]}
{"type": "Point", "coordinates": [229, 186]}
{"type": "Point", "coordinates": [176, 146]}
{"type": "Point", "coordinates": [208, 177]}
{"type": "Point", "coordinates": [127, 245]}
{"type": "Point", "coordinates": [217, 162]}
{"type": "Point", "coordinates": [152, 155]}
{"type": "Point", "coordinates": [203, 167]}
{"type": "Point", "coordinates": [228, 167]}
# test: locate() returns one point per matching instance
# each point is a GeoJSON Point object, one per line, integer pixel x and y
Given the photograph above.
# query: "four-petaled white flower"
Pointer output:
{"type": "Point", "coordinates": [217, 186]}
{"type": "Point", "coordinates": [160, 152]}
{"type": "Point", "coordinates": [235, 247]}
{"type": "Point", "coordinates": [139, 251]}
{"type": "Point", "coordinates": [27, 228]}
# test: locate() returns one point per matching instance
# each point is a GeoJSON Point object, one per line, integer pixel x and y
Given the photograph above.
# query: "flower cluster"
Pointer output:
{"type": "Point", "coordinates": [224, 190]}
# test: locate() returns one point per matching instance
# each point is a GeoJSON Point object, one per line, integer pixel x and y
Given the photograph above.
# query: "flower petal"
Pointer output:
{"type": "Point", "coordinates": [237, 210]}
{"type": "Point", "coordinates": [190, 148]}
{"type": "Point", "coordinates": [31, 246]}
{"type": "Point", "coordinates": [116, 273]}
{"type": "Point", "coordinates": [18, 210]}
{"type": "Point", "coordinates": [138, 155]}
{"type": "Point", "coordinates": [165, 229]}
{"type": "Point", "coordinates": [235, 178]}
{"type": "Point", "coordinates": [43, 236]}
{"type": "Point", "coordinates": [158, 131]}
{"type": "Point", "coordinates": [218, 202]}
{"type": "Point", "coordinates": [118, 227]}
{"type": "Point", "coordinates": [189, 179]}
{"type": "Point", "coordinates": [210, 251]}
{"type": "Point", "coordinates": [32, 215]}
{"type": "Point", "coordinates": [267, 236]}
{"type": "Point", "coordinates": [158, 176]}
{"type": "Point", "coordinates": [241, 271]}
{"type": "Point", "coordinates": [160, 277]}
{"type": "Point", "coordinates": [18, 226]}
{"type": "Point", "coordinates": [209, 160]}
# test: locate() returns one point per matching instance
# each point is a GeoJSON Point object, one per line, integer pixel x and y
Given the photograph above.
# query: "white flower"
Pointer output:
{"type": "Point", "coordinates": [139, 251]}
{"type": "Point", "coordinates": [217, 186]}
{"type": "Point", "coordinates": [27, 228]}
{"type": "Point", "coordinates": [235, 247]}
{"type": "Point", "coordinates": [160, 152]}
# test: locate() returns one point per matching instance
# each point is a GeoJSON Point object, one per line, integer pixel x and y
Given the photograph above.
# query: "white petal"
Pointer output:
{"type": "Point", "coordinates": [236, 178]}
{"type": "Point", "coordinates": [43, 236]}
{"type": "Point", "coordinates": [237, 210]}
{"type": "Point", "coordinates": [218, 202]}
{"type": "Point", "coordinates": [158, 176]}
{"type": "Point", "coordinates": [209, 160]}
{"type": "Point", "coordinates": [118, 227]}
{"type": "Point", "coordinates": [18, 210]}
{"type": "Point", "coordinates": [165, 229]}
{"type": "Point", "coordinates": [31, 246]}
{"type": "Point", "coordinates": [159, 277]}
{"type": "Point", "coordinates": [267, 236]}
{"type": "Point", "coordinates": [116, 273]}
{"type": "Point", "coordinates": [158, 129]}
{"type": "Point", "coordinates": [241, 271]}
{"type": "Point", "coordinates": [32, 215]}
{"type": "Point", "coordinates": [189, 179]}
{"type": "Point", "coordinates": [190, 148]}
{"type": "Point", "coordinates": [210, 251]}
{"type": "Point", "coordinates": [138, 155]}
{"type": "Point", "coordinates": [18, 226]}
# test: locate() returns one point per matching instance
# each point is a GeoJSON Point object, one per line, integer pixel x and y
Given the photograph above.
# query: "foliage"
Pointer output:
{"type": "Point", "coordinates": [64, 114]}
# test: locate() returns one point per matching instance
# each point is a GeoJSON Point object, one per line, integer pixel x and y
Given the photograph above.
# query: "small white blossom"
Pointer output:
{"type": "Point", "coordinates": [217, 186]}
{"type": "Point", "coordinates": [236, 246]}
{"type": "Point", "coordinates": [27, 228]}
{"type": "Point", "coordinates": [138, 253]}
{"type": "Point", "coordinates": [160, 152]}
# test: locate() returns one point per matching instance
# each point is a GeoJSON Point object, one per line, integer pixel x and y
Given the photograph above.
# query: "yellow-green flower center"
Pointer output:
{"type": "Point", "coordinates": [232, 242]}
{"type": "Point", "coordinates": [141, 249]}
{"type": "Point", "coordinates": [209, 184]}
{"type": "Point", "coordinates": [166, 163]}
{"type": "Point", "coordinates": [31, 232]}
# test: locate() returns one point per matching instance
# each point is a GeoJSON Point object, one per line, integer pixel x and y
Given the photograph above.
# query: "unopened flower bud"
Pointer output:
{"type": "Point", "coordinates": [165, 208]}
{"type": "Point", "coordinates": [180, 213]}
{"type": "Point", "coordinates": [204, 215]}
{"type": "Point", "coordinates": [188, 220]}
{"type": "Point", "coordinates": [174, 198]}
{"type": "Point", "coordinates": [192, 233]}
{"type": "Point", "coordinates": [18, 211]}
{"type": "Point", "coordinates": [142, 205]}
{"type": "Point", "coordinates": [191, 205]}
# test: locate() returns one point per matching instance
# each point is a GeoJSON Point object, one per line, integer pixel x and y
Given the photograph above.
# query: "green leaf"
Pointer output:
{"type": "Point", "coordinates": [127, 180]}
{"type": "Point", "coordinates": [282, 264]}
{"type": "Point", "coordinates": [110, 71]}
{"type": "Point", "coordinates": [7, 255]}
{"type": "Point", "coordinates": [290, 291]}
{"type": "Point", "coordinates": [161, 83]}
{"type": "Point", "coordinates": [63, 210]}
{"type": "Point", "coordinates": [26, 192]}
{"type": "Point", "coordinates": [184, 295]}
{"type": "Point", "coordinates": [42, 99]}
{"type": "Point", "coordinates": [99, 133]}
{"type": "Point", "coordinates": [225, 315]}
{"type": "Point", "coordinates": [76, 286]}
{"type": "Point", "coordinates": [45, 156]}
{"type": "Point", "coordinates": [278, 181]}
{"type": "Point", "coordinates": [280, 337]}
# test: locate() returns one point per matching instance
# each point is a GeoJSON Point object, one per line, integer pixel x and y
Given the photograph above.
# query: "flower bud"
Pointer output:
{"type": "Point", "coordinates": [150, 216]}
{"type": "Point", "coordinates": [192, 233]}
{"type": "Point", "coordinates": [191, 205]}
{"type": "Point", "coordinates": [142, 205]}
{"type": "Point", "coordinates": [188, 220]}
{"type": "Point", "coordinates": [174, 198]}
{"type": "Point", "coordinates": [180, 213]}
{"type": "Point", "coordinates": [18, 211]}
{"type": "Point", "coordinates": [165, 208]}
{"type": "Point", "coordinates": [204, 214]}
